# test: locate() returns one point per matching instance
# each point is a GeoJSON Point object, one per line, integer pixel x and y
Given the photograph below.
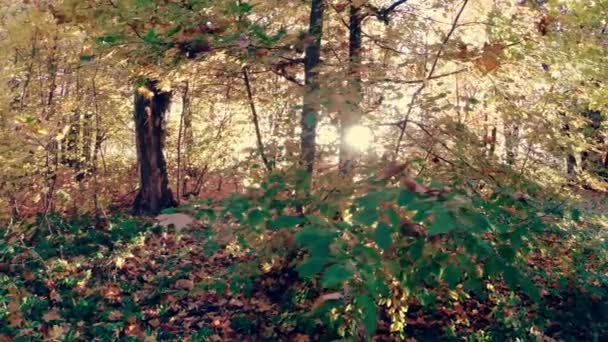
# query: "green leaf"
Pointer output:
{"type": "Point", "coordinates": [255, 217]}
{"type": "Point", "coordinates": [311, 266]}
{"type": "Point", "coordinates": [366, 217]}
{"type": "Point", "coordinates": [287, 221]}
{"type": "Point", "coordinates": [382, 236]}
{"type": "Point", "coordinates": [335, 275]}
{"type": "Point", "coordinates": [529, 288]}
{"type": "Point", "coordinates": [576, 214]}
{"type": "Point", "coordinates": [393, 217]}
{"type": "Point", "coordinates": [405, 198]}
{"type": "Point", "coordinates": [452, 275]}
{"type": "Point", "coordinates": [245, 8]}
{"type": "Point", "coordinates": [369, 312]}
{"type": "Point", "coordinates": [169, 211]}
{"type": "Point", "coordinates": [493, 266]}
{"type": "Point", "coordinates": [511, 277]}
{"type": "Point", "coordinates": [317, 240]}
{"type": "Point", "coordinates": [174, 30]}
{"type": "Point", "coordinates": [415, 249]}
{"type": "Point", "coordinates": [109, 39]}
{"type": "Point", "coordinates": [309, 234]}
{"type": "Point", "coordinates": [86, 58]}
{"type": "Point", "coordinates": [442, 221]}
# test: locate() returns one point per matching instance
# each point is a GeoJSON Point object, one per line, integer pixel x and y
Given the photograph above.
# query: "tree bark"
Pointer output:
{"type": "Point", "coordinates": [352, 116]}
{"type": "Point", "coordinates": [310, 107]}
{"type": "Point", "coordinates": [151, 105]}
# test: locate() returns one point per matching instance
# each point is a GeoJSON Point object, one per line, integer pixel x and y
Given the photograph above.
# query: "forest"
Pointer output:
{"type": "Point", "coordinates": [303, 170]}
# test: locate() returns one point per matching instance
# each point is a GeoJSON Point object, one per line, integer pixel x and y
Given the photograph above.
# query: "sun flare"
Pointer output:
{"type": "Point", "coordinates": [359, 137]}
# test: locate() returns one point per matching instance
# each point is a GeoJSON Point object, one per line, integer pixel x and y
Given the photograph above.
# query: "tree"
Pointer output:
{"type": "Point", "coordinates": [151, 105]}
{"type": "Point", "coordinates": [310, 105]}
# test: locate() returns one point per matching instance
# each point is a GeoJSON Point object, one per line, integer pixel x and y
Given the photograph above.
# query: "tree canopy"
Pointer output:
{"type": "Point", "coordinates": [303, 170]}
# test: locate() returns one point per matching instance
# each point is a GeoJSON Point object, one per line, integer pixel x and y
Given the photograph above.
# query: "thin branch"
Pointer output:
{"type": "Point", "coordinates": [428, 77]}
{"type": "Point", "coordinates": [256, 123]}
{"type": "Point", "coordinates": [397, 81]}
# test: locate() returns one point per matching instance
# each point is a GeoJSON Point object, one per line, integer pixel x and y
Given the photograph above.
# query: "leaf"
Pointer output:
{"type": "Point", "coordinates": [452, 275]}
{"type": "Point", "coordinates": [52, 315]}
{"type": "Point", "coordinates": [255, 217]}
{"type": "Point", "coordinates": [311, 266]}
{"type": "Point", "coordinates": [366, 217]}
{"type": "Point", "coordinates": [309, 234]}
{"type": "Point", "coordinates": [286, 221]}
{"type": "Point", "coordinates": [56, 332]}
{"type": "Point", "coordinates": [335, 275]}
{"type": "Point", "coordinates": [493, 266]}
{"type": "Point", "coordinates": [527, 285]}
{"type": "Point", "coordinates": [442, 221]}
{"type": "Point", "coordinates": [173, 31]}
{"type": "Point", "coordinates": [109, 39]}
{"type": "Point", "coordinates": [244, 8]}
{"type": "Point", "coordinates": [169, 211]}
{"type": "Point", "coordinates": [511, 277]}
{"type": "Point", "coordinates": [369, 312]}
{"type": "Point", "coordinates": [115, 315]}
{"type": "Point", "coordinates": [184, 284]}
{"type": "Point", "coordinates": [576, 214]}
{"type": "Point", "coordinates": [393, 216]}
{"type": "Point", "coordinates": [382, 236]}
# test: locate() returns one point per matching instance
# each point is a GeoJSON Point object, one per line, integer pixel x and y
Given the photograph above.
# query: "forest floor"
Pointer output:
{"type": "Point", "coordinates": [133, 280]}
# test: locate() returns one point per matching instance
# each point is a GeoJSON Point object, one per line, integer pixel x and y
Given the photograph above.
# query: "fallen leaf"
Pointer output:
{"type": "Point", "coordinates": [115, 315]}
{"type": "Point", "coordinates": [52, 315]}
{"type": "Point", "coordinates": [300, 338]}
{"type": "Point", "coordinates": [56, 332]}
{"type": "Point", "coordinates": [184, 284]}
{"type": "Point", "coordinates": [154, 323]}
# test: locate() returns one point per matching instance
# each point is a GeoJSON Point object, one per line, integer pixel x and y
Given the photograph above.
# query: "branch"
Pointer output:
{"type": "Point", "coordinates": [256, 122]}
{"type": "Point", "coordinates": [428, 77]}
{"type": "Point", "coordinates": [383, 14]}
{"type": "Point", "coordinates": [397, 81]}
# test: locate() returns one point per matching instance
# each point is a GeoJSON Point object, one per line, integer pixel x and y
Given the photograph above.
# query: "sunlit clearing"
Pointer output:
{"type": "Point", "coordinates": [359, 137]}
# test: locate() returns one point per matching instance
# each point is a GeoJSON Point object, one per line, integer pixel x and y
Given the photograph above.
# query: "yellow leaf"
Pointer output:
{"type": "Point", "coordinates": [56, 332]}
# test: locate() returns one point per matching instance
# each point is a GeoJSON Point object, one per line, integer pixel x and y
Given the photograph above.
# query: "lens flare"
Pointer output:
{"type": "Point", "coordinates": [359, 137]}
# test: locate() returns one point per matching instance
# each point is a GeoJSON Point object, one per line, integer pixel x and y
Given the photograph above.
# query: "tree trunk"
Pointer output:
{"type": "Point", "coordinates": [70, 151]}
{"type": "Point", "coordinates": [352, 116]}
{"type": "Point", "coordinates": [185, 109]}
{"type": "Point", "coordinates": [151, 105]}
{"type": "Point", "coordinates": [593, 160]}
{"type": "Point", "coordinates": [511, 143]}
{"type": "Point", "coordinates": [310, 105]}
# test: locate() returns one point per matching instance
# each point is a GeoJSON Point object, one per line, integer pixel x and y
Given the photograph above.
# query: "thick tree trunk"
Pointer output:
{"type": "Point", "coordinates": [151, 105]}
{"type": "Point", "coordinates": [310, 106]}
{"type": "Point", "coordinates": [352, 116]}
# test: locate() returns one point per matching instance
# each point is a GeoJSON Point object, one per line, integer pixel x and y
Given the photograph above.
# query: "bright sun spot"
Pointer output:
{"type": "Point", "coordinates": [359, 137]}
